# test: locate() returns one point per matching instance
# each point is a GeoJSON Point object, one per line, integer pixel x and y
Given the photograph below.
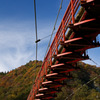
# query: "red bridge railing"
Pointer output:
{"type": "Point", "coordinates": [68, 18]}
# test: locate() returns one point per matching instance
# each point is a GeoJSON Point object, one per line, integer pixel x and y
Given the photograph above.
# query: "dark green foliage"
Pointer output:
{"type": "Point", "coordinates": [75, 88]}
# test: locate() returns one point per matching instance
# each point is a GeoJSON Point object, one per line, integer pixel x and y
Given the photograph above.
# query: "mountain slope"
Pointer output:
{"type": "Point", "coordinates": [16, 84]}
{"type": "Point", "coordinates": [80, 87]}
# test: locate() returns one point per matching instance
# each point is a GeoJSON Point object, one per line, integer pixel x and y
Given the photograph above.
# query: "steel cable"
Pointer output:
{"type": "Point", "coordinates": [82, 87]}
{"type": "Point", "coordinates": [36, 29]}
{"type": "Point", "coordinates": [53, 28]}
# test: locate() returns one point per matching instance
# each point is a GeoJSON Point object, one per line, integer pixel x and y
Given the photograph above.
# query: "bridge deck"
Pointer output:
{"type": "Point", "coordinates": [66, 50]}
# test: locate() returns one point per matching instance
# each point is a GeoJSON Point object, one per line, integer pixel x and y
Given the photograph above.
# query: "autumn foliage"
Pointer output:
{"type": "Point", "coordinates": [16, 84]}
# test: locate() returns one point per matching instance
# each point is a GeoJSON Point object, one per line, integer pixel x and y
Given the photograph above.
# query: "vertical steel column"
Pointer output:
{"type": "Point", "coordinates": [50, 56]}
{"type": "Point", "coordinates": [46, 67]}
{"type": "Point", "coordinates": [33, 96]}
{"type": "Point", "coordinates": [72, 11]}
{"type": "Point", "coordinates": [63, 27]}
{"type": "Point", "coordinates": [56, 45]}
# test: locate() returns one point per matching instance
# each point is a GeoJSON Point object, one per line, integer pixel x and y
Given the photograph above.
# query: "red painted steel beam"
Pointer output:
{"type": "Point", "coordinates": [64, 54]}
{"type": "Point", "coordinates": [83, 2]}
{"type": "Point", "coordinates": [67, 71]}
{"type": "Point", "coordinates": [61, 66]}
{"type": "Point", "coordinates": [47, 90]}
{"type": "Point", "coordinates": [70, 40]}
{"type": "Point", "coordinates": [85, 21]}
{"type": "Point", "coordinates": [39, 95]}
{"type": "Point", "coordinates": [43, 89]}
{"type": "Point", "coordinates": [72, 7]}
{"type": "Point", "coordinates": [61, 79]}
{"type": "Point", "coordinates": [47, 82]}
{"type": "Point", "coordinates": [56, 86]}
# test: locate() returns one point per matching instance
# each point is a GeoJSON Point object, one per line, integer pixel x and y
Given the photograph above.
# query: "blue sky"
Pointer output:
{"type": "Point", "coordinates": [17, 32]}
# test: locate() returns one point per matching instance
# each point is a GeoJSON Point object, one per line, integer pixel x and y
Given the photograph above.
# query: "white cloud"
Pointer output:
{"type": "Point", "coordinates": [17, 44]}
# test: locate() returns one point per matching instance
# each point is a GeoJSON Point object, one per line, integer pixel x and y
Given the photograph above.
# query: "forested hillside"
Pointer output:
{"type": "Point", "coordinates": [81, 86]}
{"type": "Point", "coordinates": [16, 84]}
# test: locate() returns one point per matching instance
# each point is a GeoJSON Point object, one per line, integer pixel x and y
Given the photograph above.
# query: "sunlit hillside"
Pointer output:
{"type": "Point", "coordinates": [16, 84]}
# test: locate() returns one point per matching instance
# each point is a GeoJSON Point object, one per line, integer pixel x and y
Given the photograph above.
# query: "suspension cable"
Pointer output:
{"type": "Point", "coordinates": [85, 83]}
{"type": "Point", "coordinates": [38, 40]}
{"type": "Point", "coordinates": [53, 29]}
{"type": "Point", "coordinates": [36, 30]}
{"type": "Point", "coordinates": [82, 87]}
{"type": "Point", "coordinates": [94, 61]}
{"type": "Point", "coordinates": [44, 37]}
